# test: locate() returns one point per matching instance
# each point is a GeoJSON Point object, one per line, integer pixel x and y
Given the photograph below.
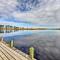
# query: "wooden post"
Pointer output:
{"type": "Point", "coordinates": [11, 43]}
{"type": "Point", "coordinates": [31, 52]}
{"type": "Point", "coordinates": [2, 39]}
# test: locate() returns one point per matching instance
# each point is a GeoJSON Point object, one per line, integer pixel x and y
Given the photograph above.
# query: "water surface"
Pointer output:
{"type": "Point", "coordinates": [45, 42]}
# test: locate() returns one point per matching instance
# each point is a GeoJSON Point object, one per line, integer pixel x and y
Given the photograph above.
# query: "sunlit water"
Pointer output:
{"type": "Point", "coordinates": [46, 43]}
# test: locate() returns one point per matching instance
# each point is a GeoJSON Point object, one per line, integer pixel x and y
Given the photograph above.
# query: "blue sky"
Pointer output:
{"type": "Point", "coordinates": [17, 23]}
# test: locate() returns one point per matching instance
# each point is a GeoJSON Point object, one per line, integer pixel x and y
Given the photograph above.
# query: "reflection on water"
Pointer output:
{"type": "Point", "coordinates": [46, 43]}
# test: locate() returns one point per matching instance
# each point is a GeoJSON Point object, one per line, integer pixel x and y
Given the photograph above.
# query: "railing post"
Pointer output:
{"type": "Point", "coordinates": [31, 52]}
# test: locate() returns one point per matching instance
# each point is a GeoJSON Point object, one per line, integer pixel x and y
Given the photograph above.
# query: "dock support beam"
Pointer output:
{"type": "Point", "coordinates": [31, 52]}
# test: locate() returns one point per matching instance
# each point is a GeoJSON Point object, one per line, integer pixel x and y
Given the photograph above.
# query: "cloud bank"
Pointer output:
{"type": "Point", "coordinates": [41, 12]}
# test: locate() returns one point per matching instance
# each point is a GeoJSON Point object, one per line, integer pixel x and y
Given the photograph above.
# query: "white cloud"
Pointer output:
{"type": "Point", "coordinates": [7, 7]}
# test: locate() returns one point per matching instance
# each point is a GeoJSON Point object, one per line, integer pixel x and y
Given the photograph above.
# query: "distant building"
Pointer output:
{"type": "Point", "coordinates": [1, 26]}
{"type": "Point", "coordinates": [2, 30]}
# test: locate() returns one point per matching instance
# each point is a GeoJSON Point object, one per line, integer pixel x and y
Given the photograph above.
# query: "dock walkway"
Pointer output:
{"type": "Point", "coordinates": [7, 53]}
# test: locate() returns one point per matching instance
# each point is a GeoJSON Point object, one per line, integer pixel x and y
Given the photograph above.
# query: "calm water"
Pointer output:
{"type": "Point", "coordinates": [46, 43]}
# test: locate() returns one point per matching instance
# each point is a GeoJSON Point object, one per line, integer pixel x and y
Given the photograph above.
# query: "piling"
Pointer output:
{"type": "Point", "coordinates": [31, 52]}
{"type": "Point", "coordinates": [11, 43]}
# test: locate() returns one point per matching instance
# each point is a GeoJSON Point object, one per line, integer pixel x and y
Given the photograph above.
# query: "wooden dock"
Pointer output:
{"type": "Point", "coordinates": [7, 53]}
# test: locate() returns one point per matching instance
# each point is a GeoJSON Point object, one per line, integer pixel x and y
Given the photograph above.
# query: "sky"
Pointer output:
{"type": "Point", "coordinates": [37, 12]}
